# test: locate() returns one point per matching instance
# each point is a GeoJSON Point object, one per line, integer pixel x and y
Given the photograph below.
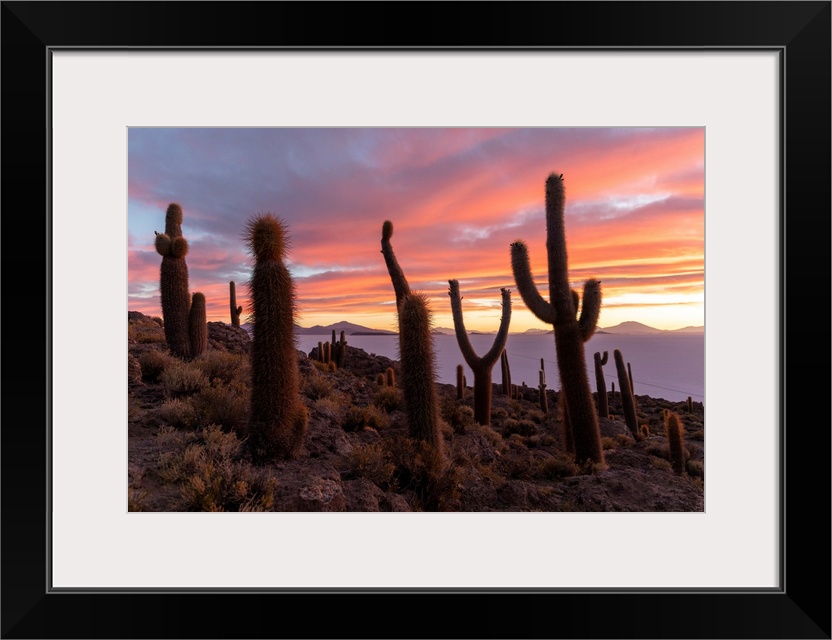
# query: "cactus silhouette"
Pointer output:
{"type": "Point", "coordinates": [415, 354]}
{"type": "Point", "coordinates": [627, 405]}
{"type": "Point", "coordinates": [400, 285]}
{"type": "Point", "coordinates": [173, 282]}
{"type": "Point", "coordinates": [570, 331]}
{"type": "Point", "coordinates": [235, 310]}
{"type": "Point", "coordinates": [418, 368]}
{"type": "Point", "coordinates": [341, 351]}
{"type": "Point", "coordinates": [690, 404]}
{"type": "Point", "coordinates": [601, 384]}
{"type": "Point", "coordinates": [278, 418]}
{"type": "Point", "coordinates": [198, 325]}
{"type": "Point", "coordinates": [673, 427]}
{"type": "Point", "coordinates": [460, 382]}
{"type": "Point", "coordinates": [481, 366]}
{"type": "Point", "coordinates": [506, 371]}
{"type": "Point", "coordinates": [544, 403]}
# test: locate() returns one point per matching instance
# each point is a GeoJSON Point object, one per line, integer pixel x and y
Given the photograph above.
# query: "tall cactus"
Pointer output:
{"type": "Point", "coordinates": [481, 366]}
{"type": "Point", "coordinates": [173, 282]}
{"type": "Point", "coordinates": [235, 310]}
{"type": "Point", "coordinates": [278, 418]}
{"type": "Point", "coordinates": [628, 407]}
{"type": "Point", "coordinates": [601, 384]}
{"type": "Point", "coordinates": [198, 325]}
{"type": "Point", "coordinates": [342, 350]}
{"type": "Point", "coordinates": [415, 354]}
{"type": "Point", "coordinates": [418, 368]}
{"type": "Point", "coordinates": [673, 426]}
{"type": "Point", "coordinates": [570, 331]}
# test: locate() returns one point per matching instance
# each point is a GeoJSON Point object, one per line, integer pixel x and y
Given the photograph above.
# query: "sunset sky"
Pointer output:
{"type": "Point", "coordinates": [457, 199]}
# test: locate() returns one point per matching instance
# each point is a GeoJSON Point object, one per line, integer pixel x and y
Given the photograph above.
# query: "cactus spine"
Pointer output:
{"type": "Point", "coordinates": [603, 407]}
{"type": "Point", "coordinates": [570, 332]}
{"type": "Point", "coordinates": [235, 310]}
{"type": "Point", "coordinates": [198, 325]}
{"type": "Point", "coordinates": [627, 405]}
{"type": "Point", "coordinates": [278, 418]}
{"type": "Point", "coordinates": [673, 427]}
{"type": "Point", "coordinates": [415, 353]}
{"type": "Point", "coordinates": [173, 282]}
{"type": "Point", "coordinates": [481, 366]}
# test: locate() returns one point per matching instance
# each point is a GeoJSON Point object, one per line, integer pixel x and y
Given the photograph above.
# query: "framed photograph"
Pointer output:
{"type": "Point", "coordinates": [93, 92]}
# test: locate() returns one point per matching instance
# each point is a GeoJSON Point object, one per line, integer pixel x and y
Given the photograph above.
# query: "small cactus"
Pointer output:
{"type": "Point", "coordinates": [278, 418]}
{"type": "Point", "coordinates": [460, 382]}
{"type": "Point", "coordinates": [173, 282]}
{"type": "Point", "coordinates": [544, 403]}
{"type": "Point", "coordinates": [380, 379]}
{"type": "Point", "coordinates": [673, 427]}
{"type": "Point", "coordinates": [198, 325]}
{"type": "Point", "coordinates": [235, 310]}
{"type": "Point", "coordinates": [601, 384]}
{"type": "Point", "coordinates": [342, 351]}
{"type": "Point", "coordinates": [627, 405]}
{"type": "Point", "coordinates": [690, 405]}
{"type": "Point", "coordinates": [571, 331]}
{"type": "Point", "coordinates": [391, 377]}
{"type": "Point", "coordinates": [481, 366]}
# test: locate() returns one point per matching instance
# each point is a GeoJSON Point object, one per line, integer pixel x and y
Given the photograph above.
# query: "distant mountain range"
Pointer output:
{"type": "Point", "coordinates": [358, 330]}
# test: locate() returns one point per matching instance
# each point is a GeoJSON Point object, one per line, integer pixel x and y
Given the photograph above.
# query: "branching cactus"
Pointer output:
{"type": "Point", "coordinates": [278, 418]}
{"type": "Point", "coordinates": [415, 354]}
{"type": "Point", "coordinates": [627, 405]}
{"type": "Point", "coordinates": [601, 383]}
{"type": "Point", "coordinates": [198, 325]}
{"type": "Point", "coordinates": [173, 282]}
{"type": "Point", "coordinates": [235, 310]}
{"type": "Point", "coordinates": [570, 331]}
{"type": "Point", "coordinates": [481, 366]}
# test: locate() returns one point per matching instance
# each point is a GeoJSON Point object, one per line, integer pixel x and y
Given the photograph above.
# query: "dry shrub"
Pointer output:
{"type": "Point", "coordinates": [492, 437]}
{"type": "Point", "coordinates": [660, 463]}
{"type": "Point", "coordinates": [419, 468]}
{"type": "Point", "coordinates": [460, 417]}
{"type": "Point", "coordinates": [698, 435]}
{"type": "Point", "coordinates": [372, 461]}
{"type": "Point", "coordinates": [226, 407]}
{"type": "Point", "coordinates": [135, 499]}
{"type": "Point", "coordinates": [181, 380]}
{"type": "Point", "coordinates": [558, 466]}
{"type": "Point", "coordinates": [212, 477]}
{"type": "Point", "coordinates": [388, 398]}
{"type": "Point", "coordinates": [224, 367]}
{"type": "Point", "coordinates": [144, 334]}
{"type": "Point", "coordinates": [331, 408]}
{"type": "Point", "coordinates": [696, 468]}
{"type": "Point", "coordinates": [609, 443]}
{"type": "Point", "coordinates": [521, 427]}
{"type": "Point", "coordinates": [357, 418]}
{"type": "Point", "coordinates": [317, 387]}
{"type": "Point", "coordinates": [177, 413]}
{"type": "Point", "coordinates": [154, 363]}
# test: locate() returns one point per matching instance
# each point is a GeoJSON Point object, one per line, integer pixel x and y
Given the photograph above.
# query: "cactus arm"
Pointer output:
{"type": "Point", "coordinates": [576, 300]}
{"type": "Point", "coordinates": [400, 285]}
{"type": "Point", "coordinates": [525, 284]}
{"type": "Point", "coordinates": [590, 309]}
{"type": "Point", "coordinates": [604, 358]}
{"type": "Point", "coordinates": [162, 243]}
{"type": "Point", "coordinates": [502, 333]}
{"type": "Point", "coordinates": [465, 347]}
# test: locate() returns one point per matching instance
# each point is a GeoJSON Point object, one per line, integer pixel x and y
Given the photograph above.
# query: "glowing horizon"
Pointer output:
{"type": "Point", "coordinates": [457, 199]}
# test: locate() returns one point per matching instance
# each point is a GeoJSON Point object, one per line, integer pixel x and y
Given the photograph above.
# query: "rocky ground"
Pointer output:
{"type": "Point", "coordinates": [186, 451]}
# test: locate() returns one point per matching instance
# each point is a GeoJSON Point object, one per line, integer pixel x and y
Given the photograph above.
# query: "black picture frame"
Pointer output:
{"type": "Point", "coordinates": [800, 608]}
